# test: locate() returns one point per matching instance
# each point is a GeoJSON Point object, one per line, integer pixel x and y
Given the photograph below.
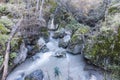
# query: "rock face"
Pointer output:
{"type": "Point", "coordinates": [76, 44]}
{"type": "Point", "coordinates": [22, 55]}
{"type": "Point", "coordinates": [86, 11]}
{"type": "Point", "coordinates": [36, 75]}
{"type": "Point", "coordinates": [103, 49]}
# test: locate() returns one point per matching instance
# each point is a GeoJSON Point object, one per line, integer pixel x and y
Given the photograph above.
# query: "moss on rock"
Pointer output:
{"type": "Point", "coordinates": [3, 9]}
{"type": "Point", "coordinates": [104, 50]}
{"type": "Point", "coordinates": [3, 29]}
{"type": "Point", "coordinates": [5, 21]}
{"type": "Point", "coordinates": [114, 8]}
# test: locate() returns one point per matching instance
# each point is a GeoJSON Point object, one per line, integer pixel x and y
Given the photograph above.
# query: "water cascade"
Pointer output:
{"type": "Point", "coordinates": [71, 66]}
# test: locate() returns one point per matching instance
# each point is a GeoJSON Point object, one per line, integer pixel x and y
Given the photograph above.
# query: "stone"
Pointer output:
{"type": "Point", "coordinates": [44, 49]}
{"type": "Point", "coordinates": [75, 49]}
{"type": "Point", "coordinates": [62, 43]}
{"type": "Point", "coordinates": [36, 75]}
{"type": "Point", "coordinates": [41, 43]}
{"type": "Point", "coordinates": [60, 54]}
{"type": "Point", "coordinates": [22, 55]}
{"type": "Point", "coordinates": [76, 43]}
{"type": "Point", "coordinates": [59, 34]}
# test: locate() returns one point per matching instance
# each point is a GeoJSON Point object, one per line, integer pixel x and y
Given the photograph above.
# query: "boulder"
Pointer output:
{"type": "Point", "coordinates": [60, 53]}
{"type": "Point", "coordinates": [76, 44]}
{"type": "Point", "coordinates": [41, 43]}
{"type": "Point", "coordinates": [36, 75]}
{"type": "Point", "coordinates": [59, 34]}
{"type": "Point", "coordinates": [44, 49]}
{"type": "Point", "coordinates": [62, 43]}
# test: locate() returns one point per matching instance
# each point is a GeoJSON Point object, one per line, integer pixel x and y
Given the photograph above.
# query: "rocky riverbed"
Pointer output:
{"type": "Point", "coordinates": [61, 40]}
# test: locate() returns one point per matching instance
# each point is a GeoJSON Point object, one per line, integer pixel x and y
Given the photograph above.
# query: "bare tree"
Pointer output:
{"type": "Point", "coordinates": [37, 5]}
{"type": "Point", "coordinates": [41, 7]}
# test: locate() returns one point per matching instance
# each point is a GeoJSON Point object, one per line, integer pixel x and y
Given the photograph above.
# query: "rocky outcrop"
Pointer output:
{"type": "Point", "coordinates": [102, 49]}
{"type": "Point", "coordinates": [88, 12]}
{"type": "Point", "coordinates": [62, 43]}
{"type": "Point", "coordinates": [76, 44]}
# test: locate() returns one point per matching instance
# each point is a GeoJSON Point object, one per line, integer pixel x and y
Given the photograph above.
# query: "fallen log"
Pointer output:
{"type": "Point", "coordinates": [6, 58]}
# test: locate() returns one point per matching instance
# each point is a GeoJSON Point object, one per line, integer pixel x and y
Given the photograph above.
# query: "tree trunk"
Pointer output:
{"type": "Point", "coordinates": [6, 58]}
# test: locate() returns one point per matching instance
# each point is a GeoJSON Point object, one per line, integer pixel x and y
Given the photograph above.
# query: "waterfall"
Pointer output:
{"type": "Point", "coordinates": [51, 25]}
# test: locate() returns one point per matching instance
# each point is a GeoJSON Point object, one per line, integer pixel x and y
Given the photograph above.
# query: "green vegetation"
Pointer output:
{"type": "Point", "coordinates": [3, 9]}
{"type": "Point", "coordinates": [3, 29]}
{"type": "Point", "coordinates": [5, 21]}
{"type": "Point", "coordinates": [104, 51]}
{"type": "Point", "coordinates": [114, 9]}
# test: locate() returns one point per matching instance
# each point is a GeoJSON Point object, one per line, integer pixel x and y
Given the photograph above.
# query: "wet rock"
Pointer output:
{"type": "Point", "coordinates": [75, 49]}
{"type": "Point", "coordinates": [62, 43]}
{"type": "Point", "coordinates": [44, 34]}
{"type": "Point", "coordinates": [41, 43]}
{"type": "Point", "coordinates": [44, 49]}
{"type": "Point", "coordinates": [76, 44]}
{"type": "Point", "coordinates": [59, 34]}
{"type": "Point", "coordinates": [35, 57]}
{"type": "Point", "coordinates": [32, 49]}
{"type": "Point", "coordinates": [36, 75]}
{"type": "Point", "coordinates": [21, 56]}
{"type": "Point", "coordinates": [60, 54]}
